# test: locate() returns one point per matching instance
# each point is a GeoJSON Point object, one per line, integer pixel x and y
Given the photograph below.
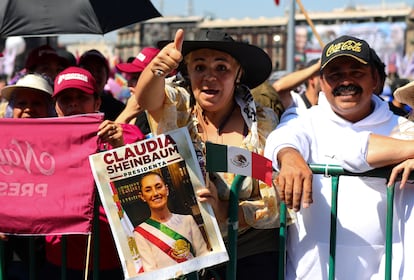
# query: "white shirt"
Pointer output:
{"type": "Point", "coordinates": [325, 138]}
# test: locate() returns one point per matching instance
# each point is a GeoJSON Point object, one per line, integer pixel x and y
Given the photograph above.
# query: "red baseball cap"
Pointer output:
{"type": "Point", "coordinates": [75, 77]}
{"type": "Point", "coordinates": [140, 61]}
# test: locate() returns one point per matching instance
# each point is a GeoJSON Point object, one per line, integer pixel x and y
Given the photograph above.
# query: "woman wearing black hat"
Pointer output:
{"type": "Point", "coordinates": [215, 103]}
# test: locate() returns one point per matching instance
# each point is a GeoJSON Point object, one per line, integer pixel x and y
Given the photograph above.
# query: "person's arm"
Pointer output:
{"type": "Point", "coordinates": [384, 150]}
{"type": "Point", "coordinates": [131, 110]}
{"type": "Point", "coordinates": [150, 89]}
{"type": "Point", "coordinates": [294, 79]}
{"type": "Point", "coordinates": [295, 177]}
{"type": "Point", "coordinates": [285, 84]}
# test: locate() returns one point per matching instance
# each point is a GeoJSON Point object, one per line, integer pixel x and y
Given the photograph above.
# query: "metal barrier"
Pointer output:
{"type": "Point", "coordinates": [335, 172]}
{"type": "Point", "coordinates": [329, 170]}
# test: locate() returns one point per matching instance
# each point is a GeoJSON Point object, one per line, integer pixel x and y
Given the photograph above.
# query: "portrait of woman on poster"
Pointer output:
{"type": "Point", "coordinates": [165, 238]}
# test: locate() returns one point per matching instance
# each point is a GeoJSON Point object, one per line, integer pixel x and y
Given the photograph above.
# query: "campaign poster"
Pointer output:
{"type": "Point", "coordinates": [148, 191]}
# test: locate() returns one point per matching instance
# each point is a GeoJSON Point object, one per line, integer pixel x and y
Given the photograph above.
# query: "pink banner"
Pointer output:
{"type": "Point", "coordinates": [46, 185]}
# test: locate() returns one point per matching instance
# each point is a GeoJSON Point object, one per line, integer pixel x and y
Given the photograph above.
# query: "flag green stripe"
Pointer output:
{"type": "Point", "coordinates": [216, 157]}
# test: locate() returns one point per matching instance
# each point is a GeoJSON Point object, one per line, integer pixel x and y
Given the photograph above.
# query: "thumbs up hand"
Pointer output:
{"type": "Point", "coordinates": [169, 57]}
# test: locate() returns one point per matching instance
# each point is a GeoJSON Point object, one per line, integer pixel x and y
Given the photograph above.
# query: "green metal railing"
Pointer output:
{"type": "Point", "coordinates": [334, 172]}
{"type": "Point", "coordinates": [233, 226]}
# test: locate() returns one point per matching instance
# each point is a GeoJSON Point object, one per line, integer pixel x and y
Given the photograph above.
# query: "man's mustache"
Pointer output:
{"type": "Point", "coordinates": [338, 90]}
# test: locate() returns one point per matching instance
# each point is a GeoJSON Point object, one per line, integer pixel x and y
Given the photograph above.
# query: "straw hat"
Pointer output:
{"type": "Point", "coordinates": [30, 81]}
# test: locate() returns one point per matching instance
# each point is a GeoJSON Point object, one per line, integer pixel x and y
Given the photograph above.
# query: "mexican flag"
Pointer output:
{"type": "Point", "coordinates": [222, 158]}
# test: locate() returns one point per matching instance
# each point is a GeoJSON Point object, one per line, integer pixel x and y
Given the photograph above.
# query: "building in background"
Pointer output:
{"type": "Point", "coordinates": [390, 30]}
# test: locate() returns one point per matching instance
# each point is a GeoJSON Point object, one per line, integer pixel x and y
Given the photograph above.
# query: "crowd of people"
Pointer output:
{"type": "Point", "coordinates": [218, 88]}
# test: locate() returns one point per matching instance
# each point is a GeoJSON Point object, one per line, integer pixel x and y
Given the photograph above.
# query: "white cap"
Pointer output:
{"type": "Point", "coordinates": [29, 81]}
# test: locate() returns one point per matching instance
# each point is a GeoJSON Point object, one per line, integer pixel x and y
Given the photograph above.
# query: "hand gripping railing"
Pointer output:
{"type": "Point", "coordinates": [334, 172]}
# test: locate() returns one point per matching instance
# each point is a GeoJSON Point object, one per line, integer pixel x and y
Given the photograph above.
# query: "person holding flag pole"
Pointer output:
{"type": "Point", "coordinates": [215, 104]}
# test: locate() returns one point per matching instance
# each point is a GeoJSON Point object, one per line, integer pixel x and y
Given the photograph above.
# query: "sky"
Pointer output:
{"type": "Point", "coordinates": [225, 9]}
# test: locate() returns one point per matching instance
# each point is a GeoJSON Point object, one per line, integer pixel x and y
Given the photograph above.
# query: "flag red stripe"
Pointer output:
{"type": "Point", "coordinates": [262, 168]}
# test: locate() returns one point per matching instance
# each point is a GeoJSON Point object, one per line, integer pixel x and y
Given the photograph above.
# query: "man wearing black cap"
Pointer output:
{"type": "Point", "coordinates": [336, 132]}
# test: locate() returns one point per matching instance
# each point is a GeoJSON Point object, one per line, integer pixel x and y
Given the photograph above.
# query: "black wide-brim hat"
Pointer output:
{"type": "Point", "coordinates": [255, 62]}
